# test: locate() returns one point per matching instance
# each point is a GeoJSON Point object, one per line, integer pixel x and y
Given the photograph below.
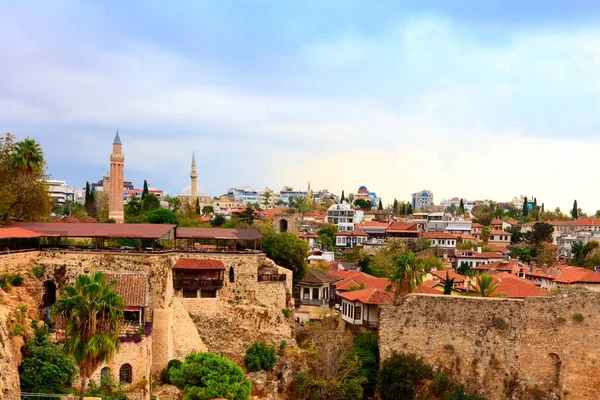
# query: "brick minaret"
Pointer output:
{"type": "Point", "coordinates": [193, 176]}
{"type": "Point", "coordinates": [115, 199]}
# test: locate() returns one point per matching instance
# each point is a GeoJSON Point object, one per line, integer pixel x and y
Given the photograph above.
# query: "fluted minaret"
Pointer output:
{"type": "Point", "coordinates": [115, 199]}
{"type": "Point", "coordinates": [309, 192]}
{"type": "Point", "coordinates": [193, 177]}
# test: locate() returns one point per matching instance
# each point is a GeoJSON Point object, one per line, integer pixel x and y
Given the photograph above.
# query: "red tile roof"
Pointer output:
{"type": "Point", "coordinates": [403, 226]}
{"type": "Point", "coordinates": [218, 233]}
{"type": "Point", "coordinates": [517, 288]}
{"type": "Point", "coordinates": [138, 231]}
{"type": "Point", "coordinates": [464, 236]}
{"type": "Point", "coordinates": [372, 296]}
{"type": "Point", "coordinates": [588, 221]}
{"type": "Point", "coordinates": [500, 232]}
{"type": "Point", "coordinates": [351, 233]}
{"type": "Point", "coordinates": [427, 287]}
{"type": "Point", "coordinates": [17, 233]}
{"type": "Point", "coordinates": [194, 263]}
{"type": "Point", "coordinates": [133, 287]}
{"type": "Point", "coordinates": [374, 224]}
{"type": "Point", "coordinates": [306, 235]}
{"type": "Point", "coordinates": [458, 278]}
{"type": "Point", "coordinates": [438, 235]}
{"type": "Point", "coordinates": [352, 279]}
{"type": "Point", "coordinates": [511, 265]}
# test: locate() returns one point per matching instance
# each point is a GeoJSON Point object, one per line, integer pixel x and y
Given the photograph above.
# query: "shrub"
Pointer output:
{"type": "Point", "coordinates": [164, 374]}
{"type": "Point", "coordinates": [46, 368]}
{"type": "Point", "coordinates": [449, 347]}
{"type": "Point", "coordinates": [209, 376]}
{"type": "Point", "coordinates": [441, 383]}
{"type": "Point", "coordinates": [286, 313]}
{"type": "Point", "coordinates": [38, 272]}
{"type": "Point", "coordinates": [561, 320]}
{"type": "Point", "coordinates": [460, 394]}
{"type": "Point", "coordinates": [578, 317]}
{"type": "Point", "coordinates": [16, 280]}
{"type": "Point", "coordinates": [499, 323]}
{"type": "Point", "coordinates": [400, 375]}
{"type": "Point", "coordinates": [282, 347]}
{"type": "Point", "coordinates": [366, 350]}
{"type": "Point", "coordinates": [107, 390]}
{"type": "Point", "coordinates": [260, 357]}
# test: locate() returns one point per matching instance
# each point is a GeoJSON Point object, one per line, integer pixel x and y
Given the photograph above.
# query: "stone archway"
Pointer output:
{"type": "Point", "coordinates": [49, 294]}
{"type": "Point", "coordinates": [283, 225]}
{"type": "Point", "coordinates": [550, 371]}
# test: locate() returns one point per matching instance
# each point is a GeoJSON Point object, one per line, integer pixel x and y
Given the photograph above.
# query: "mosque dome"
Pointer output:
{"type": "Point", "coordinates": [187, 192]}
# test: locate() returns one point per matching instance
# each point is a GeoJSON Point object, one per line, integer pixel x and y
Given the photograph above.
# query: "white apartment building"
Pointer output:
{"type": "Point", "coordinates": [60, 191]}
{"type": "Point", "coordinates": [244, 194]}
{"type": "Point", "coordinates": [344, 216]}
{"type": "Point", "coordinates": [455, 201]}
{"type": "Point", "coordinates": [422, 200]}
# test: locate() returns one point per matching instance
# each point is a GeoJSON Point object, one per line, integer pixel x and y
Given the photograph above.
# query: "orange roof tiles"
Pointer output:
{"type": "Point", "coordinates": [132, 287]}
{"type": "Point", "coordinates": [438, 235]}
{"type": "Point", "coordinates": [427, 287]}
{"type": "Point", "coordinates": [352, 279]}
{"type": "Point", "coordinates": [17, 233]}
{"type": "Point", "coordinates": [379, 224]}
{"type": "Point", "coordinates": [403, 226]}
{"type": "Point", "coordinates": [517, 288]}
{"type": "Point", "coordinates": [451, 275]}
{"type": "Point", "coordinates": [371, 296]}
{"type": "Point", "coordinates": [351, 233]}
{"type": "Point", "coordinates": [138, 231]}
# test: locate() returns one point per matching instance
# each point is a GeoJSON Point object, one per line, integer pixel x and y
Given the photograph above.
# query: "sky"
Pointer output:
{"type": "Point", "coordinates": [476, 99]}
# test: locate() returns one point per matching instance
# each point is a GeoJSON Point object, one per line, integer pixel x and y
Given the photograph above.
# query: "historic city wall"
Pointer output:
{"type": "Point", "coordinates": [503, 348]}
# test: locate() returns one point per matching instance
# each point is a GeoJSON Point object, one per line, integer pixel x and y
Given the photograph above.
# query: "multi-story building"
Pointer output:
{"type": "Point", "coordinates": [269, 198]}
{"type": "Point", "coordinates": [287, 192]}
{"type": "Point", "coordinates": [441, 239]}
{"type": "Point", "coordinates": [349, 239]}
{"type": "Point", "coordinates": [128, 189]}
{"type": "Point", "coordinates": [455, 201]}
{"type": "Point", "coordinates": [422, 200]}
{"type": "Point", "coordinates": [60, 191]}
{"type": "Point", "coordinates": [244, 194]}
{"type": "Point", "coordinates": [344, 216]}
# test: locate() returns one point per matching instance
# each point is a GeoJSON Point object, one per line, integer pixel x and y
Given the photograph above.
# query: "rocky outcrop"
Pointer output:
{"type": "Point", "coordinates": [10, 358]}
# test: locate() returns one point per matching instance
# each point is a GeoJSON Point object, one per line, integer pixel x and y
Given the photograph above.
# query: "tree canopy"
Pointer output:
{"type": "Point", "coordinates": [150, 203]}
{"type": "Point", "coordinates": [363, 204]}
{"type": "Point", "coordinates": [287, 250]}
{"type": "Point", "coordinates": [407, 275]}
{"type": "Point", "coordinates": [204, 376]}
{"type": "Point", "coordinates": [162, 216]}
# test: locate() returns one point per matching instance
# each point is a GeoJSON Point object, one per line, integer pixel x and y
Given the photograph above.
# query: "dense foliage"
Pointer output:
{"type": "Point", "coordinates": [287, 250]}
{"type": "Point", "coordinates": [108, 389]}
{"type": "Point", "coordinates": [162, 216]}
{"type": "Point", "coordinates": [46, 368]}
{"type": "Point", "coordinates": [366, 349]}
{"type": "Point", "coordinates": [23, 189]}
{"type": "Point", "coordinates": [204, 376]}
{"type": "Point", "coordinates": [260, 357]}
{"type": "Point", "coordinates": [400, 376]}
{"type": "Point", "coordinates": [165, 373]}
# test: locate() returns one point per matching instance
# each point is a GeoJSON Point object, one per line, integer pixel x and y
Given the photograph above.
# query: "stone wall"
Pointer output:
{"type": "Point", "coordinates": [501, 347]}
{"type": "Point", "coordinates": [10, 358]}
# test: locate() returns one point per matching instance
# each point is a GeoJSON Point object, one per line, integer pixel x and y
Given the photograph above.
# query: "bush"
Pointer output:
{"type": "Point", "coordinates": [46, 368]}
{"type": "Point", "coordinates": [441, 383]}
{"type": "Point", "coordinates": [282, 347]}
{"type": "Point", "coordinates": [366, 349]}
{"type": "Point", "coordinates": [260, 357]}
{"type": "Point", "coordinates": [16, 280]}
{"type": "Point", "coordinates": [162, 216]}
{"type": "Point", "coordinates": [38, 272]}
{"type": "Point", "coordinates": [578, 317]}
{"type": "Point", "coordinates": [499, 323]}
{"type": "Point", "coordinates": [107, 390]}
{"type": "Point", "coordinates": [459, 394]}
{"type": "Point", "coordinates": [400, 375]}
{"type": "Point", "coordinates": [204, 376]}
{"type": "Point", "coordinates": [286, 312]}
{"type": "Point", "coordinates": [164, 374]}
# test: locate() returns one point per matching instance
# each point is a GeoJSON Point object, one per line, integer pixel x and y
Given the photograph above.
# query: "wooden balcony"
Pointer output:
{"type": "Point", "coordinates": [197, 283]}
{"type": "Point", "coordinates": [272, 277]}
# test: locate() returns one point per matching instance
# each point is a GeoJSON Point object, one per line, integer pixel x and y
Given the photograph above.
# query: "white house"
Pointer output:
{"type": "Point", "coordinates": [441, 239]}
{"type": "Point", "coordinates": [349, 239]}
{"type": "Point", "coordinates": [475, 258]}
{"type": "Point", "coordinates": [361, 307]}
{"type": "Point", "coordinates": [344, 216]}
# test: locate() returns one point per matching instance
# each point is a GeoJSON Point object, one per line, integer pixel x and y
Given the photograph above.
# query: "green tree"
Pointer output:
{"type": "Point", "coordinates": [247, 215]}
{"type": "Point", "coordinates": [400, 376]}
{"type": "Point", "coordinates": [462, 205]}
{"type": "Point", "coordinates": [363, 204]}
{"type": "Point", "coordinates": [486, 233]}
{"type": "Point", "coordinates": [208, 210]}
{"type": "Point", "coordinates": [267, 201]}
{"type": "Point", "coordinates": [150, 203]}
{"type": "Point", "coordinates": [204, 376]}
{"type": "Point", "coordinates": [93, 312]}
{"type": "Point", "coordinates": [540, 232]}
{"type": "Point", "coordinates": [260, 357]}
{"type": "Point", "coordinates": [409, 209]}
{"type": "Point", "coordinates": [23, 189]}
{"type": "Point", "coordinates": [395, 208]}
{"type": "Point", "coordinates": [327, 235]}
{"type": "Point", "coordinates": [46, 368]}
{"type": "Point", "coordinates": [133, 208]}
{"type": "Point", "coordinates": [448, 284]}
{"type": "Point", "coordinates": [90, 204]}
{"type": "Point", "coordinates": [87, 194]}
{"type": "Point", "coordinates": [145, 191]}
{"type": "Point", "coordinates": [197, 208]}
{"type": "Point", "coordinates": [173, 202]}
{"type": "Point", "coordinates": [575, 210]}
{"type": "Point", "coordinates": [525, 211]}
{"type": "Point", "coordinates": [162, 216]}
{"type": "Point", "coordinates": [218, 220]}
{"type": "Point", "coordinates": [403, 209]}
{"type": "Point", "coordinates": [485, 286]}
{"type": "Point", "coordinates": [464, 269]}
{"type": "Point", "coordinates": [342, 198]}
{"type": "Point", "coordinates": [287, 250]}
{"type": "Point", "coordinates": [407, 275]}
{"type": "Point", "coordinates": [366, 350]}
{"type": "Point", "coordinates": [380, 207]}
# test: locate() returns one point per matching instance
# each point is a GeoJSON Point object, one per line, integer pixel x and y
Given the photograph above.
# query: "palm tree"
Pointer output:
{"type": "Point", "coordinates": [28, 156]}
{"type": "Point", "coordinates": [267, 195]}
{"type": "Point", "coordinates": [486, 233]}
{"type": "Point", "coordinates": [448, 284]}
{"type": "Point", "coordinates": [486, 286]}
{"type": "Point", "coordinates": [407, 274]}
{"type": "Point", "coordinates": [93, 312]}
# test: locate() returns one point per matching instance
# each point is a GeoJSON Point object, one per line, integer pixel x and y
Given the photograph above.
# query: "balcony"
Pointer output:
{"type": "Point", "coordinates": [197, 283]}
{"type": "Point", "coordinates": [313, 302]}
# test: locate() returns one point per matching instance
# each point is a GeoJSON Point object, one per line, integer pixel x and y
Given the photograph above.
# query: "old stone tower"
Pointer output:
{"type": "Point", "coordinates": [193, 177]}
{"type": "Point", "coordinates": [117, 162]}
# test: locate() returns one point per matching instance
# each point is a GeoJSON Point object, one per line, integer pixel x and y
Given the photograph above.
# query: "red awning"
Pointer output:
{"type": "Point", "coordinates": [193, 263]}
{"type": "Point", "coordinates": [17, 233]}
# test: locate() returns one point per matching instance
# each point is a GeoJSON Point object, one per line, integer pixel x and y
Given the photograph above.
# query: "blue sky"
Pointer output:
{"type": "Point", "coordinates": [475, 99]}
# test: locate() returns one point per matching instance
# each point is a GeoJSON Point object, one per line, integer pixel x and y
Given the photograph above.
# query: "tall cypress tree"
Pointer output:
{"type": "Point", "coordinates": [380, 207]}
{"type": "Point", "coordinates": [343, 198]}
{"type": "Point", "coordinates": [409, 209]}
{"type": "Point", "coordinates": [395, 207]}
{"type": "Point", "coordinates": [534, 202]}
{"type": "Point", "coordinates": [525, 207]}
{"type": "Point", "coordinates": [403, 209]}
{"type": "Point", "coordinates": [145, 192]}
{"type": "Point", "coordinates": [575, 211]}
{"type": "Point", "coordinates": [542, 207]}
{"type": "Point", "coordinates": [462, 205]}
{"type": "Point", "coordinates": [197, 206]}
{"type": "Point", "coordinates": [87, 194]}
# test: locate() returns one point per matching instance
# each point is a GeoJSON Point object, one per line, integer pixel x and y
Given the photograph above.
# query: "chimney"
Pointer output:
{"type": "Point", "coordinates": [479, 249]}
{"type": "Point", "coordinates": [552, 270]}
{"type": "Point", "coordinates": [532, 269]}
{"type": "Point", "coordinates": [544, 270]}
{"type": "Point", "coordinates": [559, 273]}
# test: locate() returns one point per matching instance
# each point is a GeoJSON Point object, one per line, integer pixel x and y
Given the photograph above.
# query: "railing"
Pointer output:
{"type": "Point", "coordinates": [313, 302]}
{"type": "Point", "coordinates": [197, 283]}
{"type": "Point", "coordinates": [142, 251]}
{"type": "Point", "coordinates": [272, 277]}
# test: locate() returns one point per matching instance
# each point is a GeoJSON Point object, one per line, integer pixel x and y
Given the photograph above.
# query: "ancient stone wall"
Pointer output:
{"type": "Point", "coordinates": [498, 346]}
{"type": "Point", "coordinates": [10, 359]}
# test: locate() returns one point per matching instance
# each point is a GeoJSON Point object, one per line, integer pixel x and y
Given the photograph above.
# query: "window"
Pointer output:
{"type": "Point", "coordinates": [357, 313]}
{"type": "Point", "coordinates": [306, 293]}
{"type": "Point", "coordinates": [104, 372]}
{"type": "Point", "coordinates": [132, 317]}
{"type": "Point", "coordinates": [125, 374]}
{"type": "Point", "coordinates": [315, 294]}
{"type": "Point", "coordinates": [208, 294]}
{"type": "Point", "coordinates": [325, 294]}
{"type": "Point", "coordinates": [344, 309]}
{"type": "Point", "coordinates": [188, 294]}
{"type": "Point", "coordinates": [231, 275]}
